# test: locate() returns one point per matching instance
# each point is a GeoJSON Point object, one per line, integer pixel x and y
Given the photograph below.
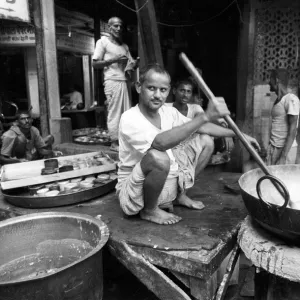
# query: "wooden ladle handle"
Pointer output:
{"type": "Point", "coordinates": [206, 90]}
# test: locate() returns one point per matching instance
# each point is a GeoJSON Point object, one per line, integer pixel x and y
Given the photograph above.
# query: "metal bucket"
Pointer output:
{"type": "Point", "coordinates": [257, 192]}
{"type": "Point", "coordinates": [51, 255]}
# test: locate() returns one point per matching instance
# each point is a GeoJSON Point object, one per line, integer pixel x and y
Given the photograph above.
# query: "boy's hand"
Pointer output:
{"type": "Point", "coordinates": [252, 141]}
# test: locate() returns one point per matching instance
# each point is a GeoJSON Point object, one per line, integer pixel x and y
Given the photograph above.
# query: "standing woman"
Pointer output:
{"type": "Point", "coordinates": [113, 56]}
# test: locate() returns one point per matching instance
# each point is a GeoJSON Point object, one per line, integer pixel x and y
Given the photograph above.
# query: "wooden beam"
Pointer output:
{"type": "Point", "coordinates": [41, 68]}
{"type": "Point", "coordinates": [32, 80]}
{"type": "Point", "coordinates": [73, 18]}
{"type": "Point", "coordinates": [42, 179]}
{"type": "Point", "coordinates": [87, 81]}
{"type": "Point", "coordinates": [156, 281]}
{"type": "Point", "coordinates": [149, 31]}
{"type": "Point", "coordinates": [97, 72]}
{"type": "Point", "coordinates": [220, 295]}
{"type": "Point", "coordinates": [45, 34]}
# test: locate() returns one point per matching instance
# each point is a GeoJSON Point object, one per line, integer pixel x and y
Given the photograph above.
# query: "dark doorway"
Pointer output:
{"type": "Point", "coordinates": [208, 33]}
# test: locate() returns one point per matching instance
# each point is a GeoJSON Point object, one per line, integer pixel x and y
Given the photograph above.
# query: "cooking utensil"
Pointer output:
{"type": "Point", "coordinates": [278, 218]}
{"type": "Point", "coordinates": [277, 183]}
{"type": "Point", "coordinates": [19, 197]}
{"type": "Point", "coordinates": [52, 255]}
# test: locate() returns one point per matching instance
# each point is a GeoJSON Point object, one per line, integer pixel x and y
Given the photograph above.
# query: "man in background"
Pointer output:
{"type": "Point", "coordinates": [285, 115]}
{"type": "Point", "coordinates": [73, 98]}
{"type": "Point", "coordinates": [113, 56]}
{"type": "Point", "coordinates": [23, 142]}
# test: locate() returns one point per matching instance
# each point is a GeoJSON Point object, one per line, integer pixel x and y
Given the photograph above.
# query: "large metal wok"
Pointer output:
{"type": "Point", "coordinates": [267, 206]}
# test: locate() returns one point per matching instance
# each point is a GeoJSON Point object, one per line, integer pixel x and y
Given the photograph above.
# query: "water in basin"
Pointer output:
{"type": "Point", "coordinates": [49, 257]}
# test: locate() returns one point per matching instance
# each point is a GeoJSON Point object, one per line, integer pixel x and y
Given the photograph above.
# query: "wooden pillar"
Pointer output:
{"type": "Point", "coordinates": [49, 98]}
{"type": "Point", "coordinates": [41, 68]}
{"type": "Point", "coordinates": [32, 81]}
{"type": "Point", "coordinates": [87, 81]}
{"type": "Point", "coordinates": [98, 89]}
{"type": "Point", "coordinates": [148, 31]}
{"type": "Point", "coordinates": [244, 106]}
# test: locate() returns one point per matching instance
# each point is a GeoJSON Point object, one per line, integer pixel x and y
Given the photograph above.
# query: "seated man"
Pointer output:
{"type": "Point", "coordinates": [183, 92]}
{"type": "Point", "coordinates": [161, 151]}
{"type": "Point", "coordinates": [73, 100]}
{"type": "Point", "coordinates": [23, 142]}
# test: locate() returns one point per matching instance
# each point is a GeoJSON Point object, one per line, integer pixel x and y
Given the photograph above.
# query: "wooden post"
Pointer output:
{"type": "Point", "coordinates": [49, 98]}
{"type": "Point", "coordinates": [32, 80]}
{"type": "Point", "coordinates": [39, 37]}
{"type": "Point", "coordinates": [149, 31]}
{"type": "Point", "coordinates": [244, 106]}
{"type": "Point", "coordinates": [97, 73]}
{"type": "Point", "coordinates": [87, 81]}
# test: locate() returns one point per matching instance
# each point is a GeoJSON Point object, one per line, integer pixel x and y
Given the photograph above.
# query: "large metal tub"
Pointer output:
{"type": "Point", "coordinates": [50, 255]}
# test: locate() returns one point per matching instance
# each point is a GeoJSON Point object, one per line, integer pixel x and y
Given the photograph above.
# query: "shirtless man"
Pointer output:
{"type": "Point", "coordinates": [23, 142]}
{"type": "Point", "coordinates": [151, 174]}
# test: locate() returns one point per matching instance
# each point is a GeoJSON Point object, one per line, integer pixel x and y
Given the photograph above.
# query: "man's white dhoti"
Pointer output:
{"type": "Point", "coordinates": [131, 190]}
{"type": "Point", "coordinates": [117, 101]}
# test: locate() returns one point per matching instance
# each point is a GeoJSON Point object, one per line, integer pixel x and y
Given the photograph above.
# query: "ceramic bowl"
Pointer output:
{"type": "Point", "coordinates": [42, 192]}
{"type": "Point", "coordinates": [51, 193]}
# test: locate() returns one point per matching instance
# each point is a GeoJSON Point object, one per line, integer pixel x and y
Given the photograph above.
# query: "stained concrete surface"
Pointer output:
{"type": "Point", "coordinates": [119, 283]}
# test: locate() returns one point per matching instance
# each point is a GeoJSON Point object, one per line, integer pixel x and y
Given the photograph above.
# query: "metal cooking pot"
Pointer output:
{"type": "Point", "coordinates": [266, 206]}
{"type": "Point", "coordinates": [52, 256]}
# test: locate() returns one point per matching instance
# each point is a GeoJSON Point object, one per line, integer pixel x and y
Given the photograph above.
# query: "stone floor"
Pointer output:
{"type": "Point", "coordinates": [120, 284]}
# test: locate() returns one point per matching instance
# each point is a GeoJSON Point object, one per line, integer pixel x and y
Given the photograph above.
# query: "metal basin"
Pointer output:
{"type": "Point", "coordinates": [52, 256]}
{"type": "Point", "coordinates": [269, 209]}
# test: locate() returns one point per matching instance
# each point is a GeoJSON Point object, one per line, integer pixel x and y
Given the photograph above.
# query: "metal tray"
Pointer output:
{"type": "Point", "coordinates": [15, 197]}
{"type": "Point", "coordinates": [77, 133]}
{"type": "Point", "coordinates": [96, 143]}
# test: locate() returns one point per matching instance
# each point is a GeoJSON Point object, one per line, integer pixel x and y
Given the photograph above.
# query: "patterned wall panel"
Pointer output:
{"type": "Point", "coordinates": [277, 39]}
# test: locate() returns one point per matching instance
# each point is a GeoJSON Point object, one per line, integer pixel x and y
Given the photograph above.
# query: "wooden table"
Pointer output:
{"type": "Point", "coordinates": [277, 276]}
{"type": "Point", "coordinates": [191, 250]}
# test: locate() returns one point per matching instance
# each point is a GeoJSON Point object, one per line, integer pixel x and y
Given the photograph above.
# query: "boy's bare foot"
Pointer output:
{"type": "Point", "coordinates": [159, 216]}
{"type": "Point", "coordinates": [184, 200]}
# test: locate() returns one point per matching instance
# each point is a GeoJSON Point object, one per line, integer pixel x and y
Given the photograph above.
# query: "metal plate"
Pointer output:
{"type": "Point", "coordinates": [83, 131]}
{"type": "Point", "coordinates": [97, 143]}
{"type": "Point", "coordinates": [14, 197]}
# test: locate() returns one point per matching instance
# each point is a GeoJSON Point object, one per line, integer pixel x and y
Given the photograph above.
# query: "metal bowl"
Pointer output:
{"type": "Point", "coordinates": [277, 218]}
{"type": "Point", "coordinates": [52, 256]}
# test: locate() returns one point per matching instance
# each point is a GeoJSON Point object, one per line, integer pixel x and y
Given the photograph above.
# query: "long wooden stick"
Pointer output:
{"type": "Point", "coordinates": [191, 68]}
{"type": "Point", "coordinates": [220, 294]}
